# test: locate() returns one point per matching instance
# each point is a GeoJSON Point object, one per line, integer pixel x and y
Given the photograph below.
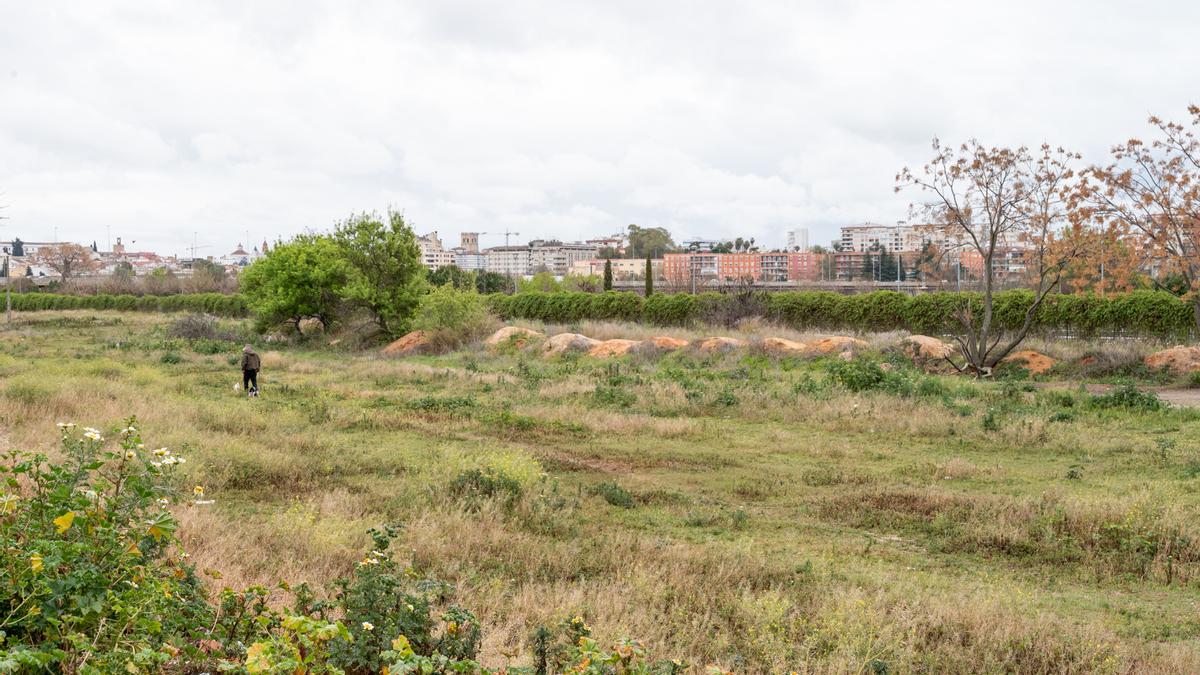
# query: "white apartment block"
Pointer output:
{"type": "Point", "coordinates": [556, 257]}
{"type": "Point", "coordinates": [468, 260]}
{"type": "Point", "coordinates": [507, 260]}
{"type": "Point", "coordinates": [891, 238]}
{"type": "Point", "coordinates": [797, 239]}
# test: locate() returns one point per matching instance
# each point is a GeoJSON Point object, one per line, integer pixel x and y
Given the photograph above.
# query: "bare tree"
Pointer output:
{"type": "Point", "coordinates": [69, 260]}
{"type": "Point", "coordinates": [989, 201]}
{"type": "Point", "coordinates": [1152, 191]}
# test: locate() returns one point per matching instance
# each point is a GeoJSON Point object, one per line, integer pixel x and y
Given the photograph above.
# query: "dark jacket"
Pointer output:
{"type": "Point", "coordinates": [250, 361]}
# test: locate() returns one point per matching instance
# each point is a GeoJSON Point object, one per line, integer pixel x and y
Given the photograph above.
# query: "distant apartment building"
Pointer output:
{"type": "Point", "coordinates": [870, 236]}
{"type": "Point", "coordinates": [433, 255]}
{"type": "Point", "coordinates": [623, 268]}
{"type": "Point", "coordinates": [615, 242]}
{"type": "Point", "coordinates": [776, 267]}
{"type": "Point", "coordinates": [1009, 264]}
{"type": "Point", "coordinates": [556, 257]}
{"type": "Point", "coordinates": [701, 245]}
{"type": "Point", "coordinates": [507, 260]}
{"type": "Point", "coordinates": [465, 260]}
{"type": "Point", "coordinates": [797, 239]}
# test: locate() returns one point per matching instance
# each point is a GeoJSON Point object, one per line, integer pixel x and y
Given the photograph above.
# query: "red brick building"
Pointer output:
{"type": "Point", "coordinates": [682, 268]}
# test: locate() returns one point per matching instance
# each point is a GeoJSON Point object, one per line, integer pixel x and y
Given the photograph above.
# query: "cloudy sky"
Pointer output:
{"type": "Point", "coordinates": [160, 121]}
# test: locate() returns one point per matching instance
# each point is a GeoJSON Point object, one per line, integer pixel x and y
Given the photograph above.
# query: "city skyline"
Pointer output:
{"type": "Point", "coordinates": [562, 121]}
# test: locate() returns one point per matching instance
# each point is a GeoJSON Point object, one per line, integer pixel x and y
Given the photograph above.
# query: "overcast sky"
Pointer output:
{"type": "Point", "coordinates": [157, 120]}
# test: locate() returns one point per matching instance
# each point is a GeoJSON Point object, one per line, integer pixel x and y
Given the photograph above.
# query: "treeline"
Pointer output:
{"type": "Point", "coordinates": [1148, 313]}
{"type": "Point", "coordinates": [218, 304]}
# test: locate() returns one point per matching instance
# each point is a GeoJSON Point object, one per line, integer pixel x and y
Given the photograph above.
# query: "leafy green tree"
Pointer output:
{"type": "Point", "coordinates": [493, 282]}
{"type": "Point", "coordinates": [887, 266]}
{"type": "Point", "coordinates": [452, 275]}
{"type": "Point", "coordinates": [649, 278]}
{"type": "Point", "coordinates": [386, 275]}
{"type": "Point", "coordinates": [589, 283]}
{"type": "Point", "coordinates": [542, 281]}
{"type": "Point", "coordinates": [298, 279]}
{"type": "Point", "coordinates": [649, 242]}
{"type": "Point", "coordinates": [608, 275]}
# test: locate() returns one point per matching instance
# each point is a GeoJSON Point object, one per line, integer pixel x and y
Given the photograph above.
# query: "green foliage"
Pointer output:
{"type": "Point", "coordinates": [542, 282]}
{"type": "Point", "coordinates": [493, 282]}
{"type": "Point", "coordinates": [608, 275]}
{"type": "Point", "coordinates": [302, 645]}
{"type": "Point", "coordinates": [614, 494]}
{"type": "Point", "coordinates": [857, 375]}
{"type": "Point", "coordinates": [448, 404]}
{"type": "Point", "coordinates": [208, 303]}
{"type": "Point", "coordinates": [386, 276]}
{"type": "Point", "coordinates": [452, 317]}
{"type": "Point", "coordinates": [451, 275]}
{"type": "Point", "coordinates": [1149, 313]}
{"type": "Point", "coordinates": [649, 242]}
{"type": "Point", "coordinates": [298, 279]}
{"type": "Point", "coordinates": [90, 567]}
{"type": "Point", "coordinates": [487, 483]}
{"type": "Point", "coordinates": [1128, 397]}
{"type": "Point", "coordinates": [649, 274]}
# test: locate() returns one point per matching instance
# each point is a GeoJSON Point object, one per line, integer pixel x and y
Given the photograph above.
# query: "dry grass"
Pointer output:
{"type": "Point", "coordinates": [778, 521]}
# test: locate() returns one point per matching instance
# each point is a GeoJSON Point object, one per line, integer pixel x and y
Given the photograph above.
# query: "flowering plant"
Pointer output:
{"type": "Point", "coordinates": [87, 549]}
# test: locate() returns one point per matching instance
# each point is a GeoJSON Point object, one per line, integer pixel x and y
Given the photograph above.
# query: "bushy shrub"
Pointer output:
{"type": "Point", "coordinates": [453, 317]}
{"type": "Point", "coordinates": [207, 303]}
{"type": "Point", "coordinates": [614, 494]}
{"type": "Point", "coordinates": [1128, 397]}
{"type": "Point", "coordinates": [1150, 313]}
{"type": "Point", "coordinates": [474, 484]}
{"type": "Point", "coordinates": [857, 375]}
{"type": "Point", "coordinates": [92, 573]}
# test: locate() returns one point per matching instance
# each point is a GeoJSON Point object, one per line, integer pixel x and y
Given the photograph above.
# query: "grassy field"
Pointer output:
{"type": "Point", "coordinates": [738, 509]}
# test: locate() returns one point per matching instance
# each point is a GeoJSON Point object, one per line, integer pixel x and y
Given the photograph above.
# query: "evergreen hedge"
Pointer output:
{"type": "Point", "coordinates": [1147, 313]}
{"type": "Point", "coordinates": [208, 303]}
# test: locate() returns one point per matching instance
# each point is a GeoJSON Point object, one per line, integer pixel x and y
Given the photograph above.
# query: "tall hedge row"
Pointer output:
{"type": "Point", "coordinates": [209, 303]}
{"type": "Point", "coordinates": [1149, 313]}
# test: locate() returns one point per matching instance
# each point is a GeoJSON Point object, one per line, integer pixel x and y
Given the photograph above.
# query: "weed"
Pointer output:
{"type": "Point", "coordinates": [475, 484]}
{"type": "Point", "coordinates": [990, 421]}
{"type": "Point", "coordinates": [1128, 397]}
{"type": "Point", "coordinates": [614, 494]}
{"type": "Point", "coordinates": [445, 404]}
{"type": "Point", "coordinates": [726, 398]}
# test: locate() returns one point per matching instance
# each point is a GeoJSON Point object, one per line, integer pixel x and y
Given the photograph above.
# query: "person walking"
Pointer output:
{"type": "Point", "coordinates": [250, 367]}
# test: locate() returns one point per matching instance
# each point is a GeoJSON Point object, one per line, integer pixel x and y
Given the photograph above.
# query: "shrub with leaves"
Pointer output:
{"type": "Point", "coordinates": [1129, 397]}
{"type": "Point", "coordinates": [452, 317]}
{"type": "Point", "coordinates": [93, 580]}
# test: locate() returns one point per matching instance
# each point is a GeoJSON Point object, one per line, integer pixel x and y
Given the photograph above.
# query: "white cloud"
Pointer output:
{"type": "Point", "coordinates": [565, 119]}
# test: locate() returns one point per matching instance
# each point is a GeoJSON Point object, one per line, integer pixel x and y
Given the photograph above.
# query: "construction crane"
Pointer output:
{"type": "Point", "coordinates": [194, 246]}
{"type": "Point", "coordinates": [507, 233]}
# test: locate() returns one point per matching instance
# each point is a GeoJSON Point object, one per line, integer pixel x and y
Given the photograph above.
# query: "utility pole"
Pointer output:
{"type": "Point", "coordinates": [507, 234]}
